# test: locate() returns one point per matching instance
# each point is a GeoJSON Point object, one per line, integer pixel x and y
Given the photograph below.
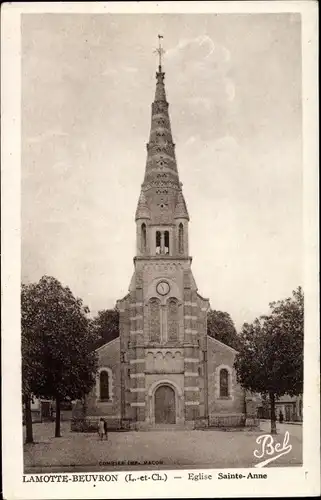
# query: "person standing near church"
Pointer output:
{"type": "Point", "coordinates": [101, 428]}
{"type": "Point", "coordinates": [105, 430]}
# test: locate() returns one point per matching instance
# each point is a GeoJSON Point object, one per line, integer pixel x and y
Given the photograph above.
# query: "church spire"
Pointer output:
{"type": "Point", "coordinates": [162, 198]}
{"type": "Point", "coordinates": [161, 160]}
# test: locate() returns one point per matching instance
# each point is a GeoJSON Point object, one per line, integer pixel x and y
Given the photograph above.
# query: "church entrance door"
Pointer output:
{"type": "Point", "coordinates": [165, 412]}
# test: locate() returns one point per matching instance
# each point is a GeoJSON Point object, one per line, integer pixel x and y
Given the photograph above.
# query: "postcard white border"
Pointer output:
{"type": "Point", "coordinates": [296, 481]}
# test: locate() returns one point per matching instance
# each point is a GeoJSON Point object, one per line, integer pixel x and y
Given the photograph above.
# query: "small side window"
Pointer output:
{"type": "Point", "coordinates": [224, 383]}
{"type": "Point", "coordinates": [104, 386]}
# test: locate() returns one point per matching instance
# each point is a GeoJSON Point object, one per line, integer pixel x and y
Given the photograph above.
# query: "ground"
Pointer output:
{"type": "Point", "coordinates": [172, 449]}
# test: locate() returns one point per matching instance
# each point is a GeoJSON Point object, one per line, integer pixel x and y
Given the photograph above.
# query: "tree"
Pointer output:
{"type": "Point", "coordinates": [31, 356]}
{"type": "Point", "coordinates": [106, 326]}
{"type": "Point", "coordinates": [57, 327]}
{"type": "Point", "coordinates": [270, 360]}
{"type": "Point", "coordinates": [221, 327]}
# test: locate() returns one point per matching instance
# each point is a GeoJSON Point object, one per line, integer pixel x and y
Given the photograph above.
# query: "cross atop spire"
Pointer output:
{"type": "Point", "coordinates": [160, 51]}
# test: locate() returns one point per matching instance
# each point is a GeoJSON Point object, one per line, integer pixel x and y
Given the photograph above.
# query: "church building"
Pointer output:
{"type": "Point", "coordinates": [163, 370]}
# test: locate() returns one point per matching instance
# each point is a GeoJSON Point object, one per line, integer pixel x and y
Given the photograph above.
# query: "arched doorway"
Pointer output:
{"type": "Point", "coordinates": [165, 411]}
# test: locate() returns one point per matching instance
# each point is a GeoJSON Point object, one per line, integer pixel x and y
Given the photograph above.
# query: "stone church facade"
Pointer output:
{"type": "Point", "coordinates": [164, 370]}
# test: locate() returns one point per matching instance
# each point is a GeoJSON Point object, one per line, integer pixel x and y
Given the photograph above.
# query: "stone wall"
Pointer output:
{"type": "Point", "coordinates": [230, 410]}
{"type": "Point", "coordinates": [85, 418]}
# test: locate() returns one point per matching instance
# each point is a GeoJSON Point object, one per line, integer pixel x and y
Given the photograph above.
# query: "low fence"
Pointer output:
{"type": "Point", "coordinates": [90, 424]}
{"type": "Point", "coordinates": [237, 420]}
{"type": "Point", "coordinates": [287, 417]}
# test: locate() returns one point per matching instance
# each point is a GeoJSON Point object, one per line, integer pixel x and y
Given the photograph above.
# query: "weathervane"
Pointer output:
{"type": "Point", "coordinates": [160, 51]}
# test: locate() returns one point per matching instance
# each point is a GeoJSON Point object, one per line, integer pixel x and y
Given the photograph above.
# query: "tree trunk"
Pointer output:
{"type": "Point", "coordinates": [28, 420]}
{"type": "Point", "coordinates": [273, 417]}
{"type": "Point", "coordinates": [57, 426]}
{"type": "Point", "coordinates": [84, 407]}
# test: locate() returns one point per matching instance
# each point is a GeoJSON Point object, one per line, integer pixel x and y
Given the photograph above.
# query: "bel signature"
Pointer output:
{"type": "Point", "coordinates": [269, 447]}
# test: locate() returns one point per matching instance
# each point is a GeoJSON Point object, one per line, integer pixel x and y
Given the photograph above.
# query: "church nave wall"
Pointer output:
{"type": "Point", "coordinates": [225, 395]}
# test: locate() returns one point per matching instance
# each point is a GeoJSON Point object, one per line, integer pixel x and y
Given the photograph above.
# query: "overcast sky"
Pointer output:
{"type": "Point", "coordinates": [234, 87]}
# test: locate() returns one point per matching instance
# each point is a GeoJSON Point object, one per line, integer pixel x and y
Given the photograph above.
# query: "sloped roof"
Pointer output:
{"type": "Point", "coordinates": [222, 344]}
{"type": "Point", "coordinates": [181, 209]}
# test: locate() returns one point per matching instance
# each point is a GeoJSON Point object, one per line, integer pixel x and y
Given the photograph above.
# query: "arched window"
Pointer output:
{"type": "Point", "coordinates": [162, 242]}
{"type": "Point", "coordinates": [224, 383]}
{"type": "Point", "coordinates": [143, 247]}
{"type": "Point", "coordinates": [180, 238]}
{"type": "Point", "coordinates": [166, 242]}
{"type": "Point", "coordinates": [104, 394]}
{"type": "Point", "coordinates": [172, 315]}
{"type": "Point", "coordinates": [154, 320]}
{"type": "Point", "coordinates": [158, 242]}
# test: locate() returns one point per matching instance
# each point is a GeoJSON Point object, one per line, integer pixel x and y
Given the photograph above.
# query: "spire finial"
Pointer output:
{"type": "Point", "coordinates": [160, 51]}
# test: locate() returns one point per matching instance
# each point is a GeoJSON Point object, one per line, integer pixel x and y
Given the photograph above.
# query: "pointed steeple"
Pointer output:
{"type": "Point", "coordinates": [181, 209]}
{"type": "Point", "coordinates": [142, 211]}
{"type": "Point", "coordinates": [161, 161]}
{"type": "Point", "coordinates": [161, 194]}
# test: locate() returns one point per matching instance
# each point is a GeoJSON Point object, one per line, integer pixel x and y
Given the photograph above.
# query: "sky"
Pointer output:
{"type": "Point", "coordinates": [234, 87]}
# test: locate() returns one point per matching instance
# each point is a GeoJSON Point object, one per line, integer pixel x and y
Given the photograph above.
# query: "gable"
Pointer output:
{"type": "Point", "coordinates": [111, 345]}
{"type": "Point", "coordinates": [220, 345]}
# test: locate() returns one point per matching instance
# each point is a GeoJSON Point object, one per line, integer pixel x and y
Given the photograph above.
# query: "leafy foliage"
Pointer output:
{"type": "Point", "coordinates": [30, 345]}
{"type": "Point", "coordinates": [221, 327]}
{"type": "Point", "coordinates": [106, 326]}
{"type": "Point", "coordinates": [270, 360]}
{"type": "Point", "coordinates": [271, 356]}
{"type": "Point", "coordinates": [57, 359]}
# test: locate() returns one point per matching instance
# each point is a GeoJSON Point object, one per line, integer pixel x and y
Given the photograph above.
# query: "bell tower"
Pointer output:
{"type": "Point", "coordinates": [163, 318]}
